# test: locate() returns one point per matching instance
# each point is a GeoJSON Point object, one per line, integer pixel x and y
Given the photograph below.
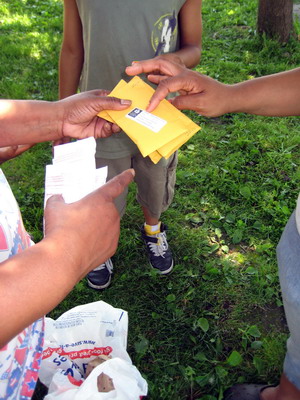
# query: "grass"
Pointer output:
{"type": "Point", "coordinates": [218, 318]}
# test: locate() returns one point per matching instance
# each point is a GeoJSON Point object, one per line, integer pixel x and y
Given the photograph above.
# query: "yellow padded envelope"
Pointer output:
{"type": "Point", "coordinates": [156, 134]}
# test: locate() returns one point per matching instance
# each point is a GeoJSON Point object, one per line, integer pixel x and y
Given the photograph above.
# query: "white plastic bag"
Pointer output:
{"type": "Point", "coordinates": [76, 338]}
{"type": "Point", "coordinates": [128, 384]}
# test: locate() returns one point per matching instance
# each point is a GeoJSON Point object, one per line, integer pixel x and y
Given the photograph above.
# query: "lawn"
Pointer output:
{"type": "Point", "coordinates": [218, 318]}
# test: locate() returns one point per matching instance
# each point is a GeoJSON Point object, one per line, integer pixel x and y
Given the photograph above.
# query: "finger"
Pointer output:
{"type": "Point", "coordinates": [22, 148]}
{"type": "Point", "coordinates": [160, 66]}
{"type": "Point", "coordinates": [139, 67]}
{"type": "Point", "coordinates": [190, 102]}
{"type": "Point", "coordinates": [165, 87]}
{"type": "Point", "coordinates": [64, 140]}
{"type": "Point", "coordinates": [111, 103]}
{"type": "Point", "coordinates": [113, 188]}
{"type": "Point", "coordinates": [107, 129]}
{"type": "Point", "coordinates": [54, 201]}
{"type": "Point", "coordinates": [115, 128]}
{"type": "Point", "coordinates": [169, 85]}
{"type": "Point", "coordinates": [156, 79]}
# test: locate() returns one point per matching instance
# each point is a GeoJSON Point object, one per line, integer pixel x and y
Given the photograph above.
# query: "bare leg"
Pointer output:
{"type": "Point", "coordinates": [148, 217]}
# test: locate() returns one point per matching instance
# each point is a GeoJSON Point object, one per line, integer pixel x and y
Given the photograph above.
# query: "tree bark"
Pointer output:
{"type": "Point", "coordinates": [275, 19]}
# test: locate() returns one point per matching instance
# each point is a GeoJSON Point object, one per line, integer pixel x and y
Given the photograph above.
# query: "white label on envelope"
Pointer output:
{"type": "Point", "coordinates": [146, 119]}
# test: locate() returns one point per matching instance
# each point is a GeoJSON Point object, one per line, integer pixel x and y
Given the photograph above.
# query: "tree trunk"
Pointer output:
{"type": "Point", "coordinates": [275, 19]}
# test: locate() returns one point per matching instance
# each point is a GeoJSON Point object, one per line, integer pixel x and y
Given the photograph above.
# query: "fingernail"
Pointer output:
{"type": "Point", "coordinates": [134, 62]}
{"type": "Point", "coordinates": [132, 171]}
{"type": "Point", "coordinates": [125, 102]}
{"type": "Point", "coordinates": [107, 125]}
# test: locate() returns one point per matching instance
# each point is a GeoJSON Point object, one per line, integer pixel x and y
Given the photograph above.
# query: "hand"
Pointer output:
{"type": "Point", "coordinates": [172, 57]}
{"type": "Point", "coordinates": [89, 228]}
{"type": "Point", "coordinates": [157, 68]}
{"type": "Point", "coordinates": [79, 118]}
{"type": "Point", "coordinates": [64, 140]}
{"type": "Point", "coordinates": [198, 92]}
{"type": "Point", "coordinates": [107, 130]}
{"type": "Point", "coordinates": [6, 153]}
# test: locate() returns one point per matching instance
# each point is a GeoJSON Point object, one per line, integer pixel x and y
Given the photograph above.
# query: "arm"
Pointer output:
{"type": "Point", "coordinates": [190, 26]}
{"type": "Point", "coordinates": [272, 95]}
{"type": "Point", "coordinates": [27, 122]}
{"type": "Point", "coordinates": [275, 95]}
{"type": "Point", "coordinates": [9, 152]}
{"type": "Point", "coordinates": [72, 51]}
{"type": "Point", "coordinates": [71, 248]}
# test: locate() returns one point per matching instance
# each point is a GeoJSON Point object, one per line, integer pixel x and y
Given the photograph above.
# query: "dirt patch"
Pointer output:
{"type": "Point", "coordinates": [269, 316]}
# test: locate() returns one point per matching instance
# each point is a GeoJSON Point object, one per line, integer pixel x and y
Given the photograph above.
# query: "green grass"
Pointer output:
{"type": "Point", "coordinates": [218, 318]}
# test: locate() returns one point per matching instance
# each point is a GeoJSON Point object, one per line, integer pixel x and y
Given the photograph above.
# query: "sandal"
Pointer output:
{"type": "Point", "coordinates": [245, 392]}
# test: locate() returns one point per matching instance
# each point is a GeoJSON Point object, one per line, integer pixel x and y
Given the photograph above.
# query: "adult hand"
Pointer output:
{"type": "Point", "coordinates": [198, 92]}
{"type": "Point", "coordinates": [79, 114]}
{"type": "Point", "coordinates": [6, 153]}
{"type": "Point", "coordinates": [89, 228]}
{"type": "Point", "coordinates": [107, 130]}
{"type": "Point", "coordinates": [157, 68]}
{"type": "Point", "coordinates": [32, 121]}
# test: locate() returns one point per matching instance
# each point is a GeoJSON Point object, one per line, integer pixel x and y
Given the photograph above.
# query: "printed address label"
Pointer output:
{"type": "Point", "coordinates": [146, 119]}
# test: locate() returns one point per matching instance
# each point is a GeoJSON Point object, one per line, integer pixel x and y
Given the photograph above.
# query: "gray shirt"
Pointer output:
{"type": "Point", "coordinates": [115, 33]}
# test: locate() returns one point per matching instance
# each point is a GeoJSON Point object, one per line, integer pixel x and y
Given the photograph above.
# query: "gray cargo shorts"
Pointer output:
{"type": "Point", "coordinates": [155, 182]}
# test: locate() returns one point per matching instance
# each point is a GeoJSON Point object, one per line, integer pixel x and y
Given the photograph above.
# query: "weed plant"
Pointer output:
{"type": "Point", "coordinates": [218, 318]}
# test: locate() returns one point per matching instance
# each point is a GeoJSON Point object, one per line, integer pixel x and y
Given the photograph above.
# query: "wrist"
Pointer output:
{"type": "Point", "coordinates": [173, 57]}
{"type": "Point", "coordinates": [65, 257]}
{"type": "Point", "coordinates": [236, 98]}
{"type": "Point", "coordinates": [58, 118]}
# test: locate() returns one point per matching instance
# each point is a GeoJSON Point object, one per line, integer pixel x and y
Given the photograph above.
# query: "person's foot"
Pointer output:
{"type": "Point", "coordinates": [160, 255]}
{"type": "Point", "coordinates": [286, 390]}
{"type": "Point", "coordinates": [100, 277]}
{"type": "Point", "coordinates": [247, 392]}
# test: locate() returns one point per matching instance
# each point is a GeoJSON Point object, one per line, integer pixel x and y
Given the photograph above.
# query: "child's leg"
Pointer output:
{"type": "Point", "coordinates": [156, 183]}
{"type": "Point", "coordinates": [115, 167]}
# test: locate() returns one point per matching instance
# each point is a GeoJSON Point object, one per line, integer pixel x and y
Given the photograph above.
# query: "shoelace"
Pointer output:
{"type": "Point", "coordinates": [108, 264]}
{"type": "Point", "coordinates": [159, 246]}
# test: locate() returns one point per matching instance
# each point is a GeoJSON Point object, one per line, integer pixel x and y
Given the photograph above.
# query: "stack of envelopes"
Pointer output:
{"type": "Point", "coordinates": [157, 134]}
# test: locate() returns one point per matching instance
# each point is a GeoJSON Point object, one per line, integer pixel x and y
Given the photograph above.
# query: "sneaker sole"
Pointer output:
{"type": "Point", "coordinates": [97, 287]}
{"type": "Point", "coordinates": [167, 271]}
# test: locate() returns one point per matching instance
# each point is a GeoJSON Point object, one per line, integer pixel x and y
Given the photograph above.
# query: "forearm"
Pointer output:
{"type": "Point", "coordinates": [70, 66]}
{"type": "Point", "coordinates": [26, 121]}
{"type": "Point", "coordinates": [189, 56]}
{"type": "Point", "coordinates": [42, 276]}
{"type": "Point", "coordinates": [190, 28]}
{"type": "Point", "coordinates": [273, 95]}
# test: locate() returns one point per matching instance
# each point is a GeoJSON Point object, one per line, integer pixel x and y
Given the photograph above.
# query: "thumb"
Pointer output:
{"type": "Point", "coordinates": [55, 200]}
{"type": "Point", "coordinates": [111, 103]}
{"type": "Point", "coordinates": [116, 186]}
{"type": "Point", "coordinates": [187, 102]}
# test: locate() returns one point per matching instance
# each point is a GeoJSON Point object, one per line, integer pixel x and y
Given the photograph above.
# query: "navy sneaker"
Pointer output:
{"type": "Point", "coordinates": [160, 255]}
{"type": "Point", "coordinates": [100, 277]}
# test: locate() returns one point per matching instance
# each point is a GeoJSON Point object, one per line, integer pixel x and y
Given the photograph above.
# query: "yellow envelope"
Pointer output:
{"type": "Point", "coordinates": [104, 114]}
{"type": "Point", "coordinates": [156, 134]}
